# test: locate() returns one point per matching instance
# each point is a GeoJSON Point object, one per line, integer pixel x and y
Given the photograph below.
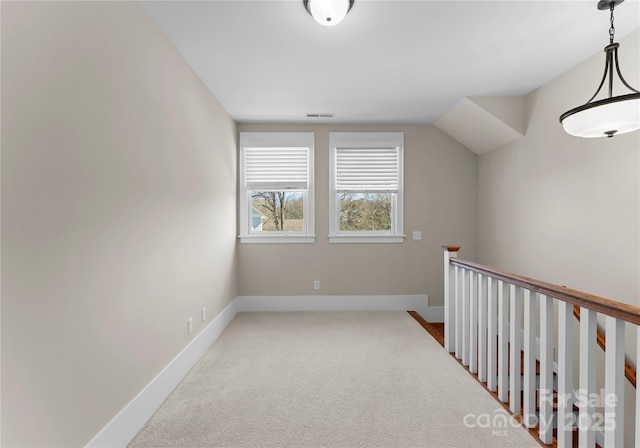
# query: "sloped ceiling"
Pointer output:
{"type": "Point", "coordinates": [485, 123]}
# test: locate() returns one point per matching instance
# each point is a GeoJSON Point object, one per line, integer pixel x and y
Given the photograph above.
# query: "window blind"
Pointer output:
{"type": "Point", "coordinates": [367, 169]}
{"type": "Point", "coordinates": [277, 169]}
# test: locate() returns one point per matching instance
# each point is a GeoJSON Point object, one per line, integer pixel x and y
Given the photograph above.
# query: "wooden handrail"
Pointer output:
{"type": "Point", "coordinates": [619, 310]}
{"type": "Point", "coordinates": [629, 372]}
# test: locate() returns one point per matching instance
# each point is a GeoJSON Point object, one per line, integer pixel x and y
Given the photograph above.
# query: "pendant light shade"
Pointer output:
{"type": "Point", "coordinates": [613, 115]}
{"type": "Point", "coordinates": [604, 118]}
{"type": "Point", "coordinates": [328, 12]}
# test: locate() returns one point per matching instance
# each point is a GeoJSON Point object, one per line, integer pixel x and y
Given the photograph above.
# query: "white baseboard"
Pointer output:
{"type": "Point", "coordinates": [419, 303]}
{"type": "Point", "coordinates": [130, 420]}
{"type": "Point", "coordinates": [434, 314]}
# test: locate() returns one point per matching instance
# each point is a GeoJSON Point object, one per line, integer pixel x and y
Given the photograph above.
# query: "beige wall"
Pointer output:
{"type": "Point", "coordinates": [440, 200]}
{"type": "Point", "coordinates": [118, 213]}
{"type": "Point", "coordinates": [562, 208]}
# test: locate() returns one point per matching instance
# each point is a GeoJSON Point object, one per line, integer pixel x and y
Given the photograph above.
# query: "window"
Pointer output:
{"type": "Point", "coordinates": [366, 187]}
{"type": "Point", "coordinates": [276, 187]}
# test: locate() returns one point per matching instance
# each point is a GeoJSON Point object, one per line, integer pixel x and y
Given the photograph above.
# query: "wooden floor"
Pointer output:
{"type": "Point", "coordinates": [435, 329]}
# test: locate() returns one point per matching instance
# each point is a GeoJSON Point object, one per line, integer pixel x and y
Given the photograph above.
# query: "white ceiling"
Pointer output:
{"type": "Point", "coordinates": [389, 61]}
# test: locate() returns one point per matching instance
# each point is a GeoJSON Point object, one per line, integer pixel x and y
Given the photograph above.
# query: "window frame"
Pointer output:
{"type": "Point", "coordinates": [276, 140]}
{"type": "Point", "coordinates": [371, 140]}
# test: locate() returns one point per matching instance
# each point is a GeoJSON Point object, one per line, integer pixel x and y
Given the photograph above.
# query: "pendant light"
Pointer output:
{"type": "Point", "coordinates": [328, 12]}
{"type": "Point", "coordinates": [613, 115]}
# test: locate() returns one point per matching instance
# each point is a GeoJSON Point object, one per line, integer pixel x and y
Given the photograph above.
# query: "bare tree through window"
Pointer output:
{"type": "Point", "coordinates": [284, 210]}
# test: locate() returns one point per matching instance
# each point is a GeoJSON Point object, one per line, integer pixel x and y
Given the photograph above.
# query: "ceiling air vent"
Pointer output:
{"type": "Point", "coordinates": [320, 115]}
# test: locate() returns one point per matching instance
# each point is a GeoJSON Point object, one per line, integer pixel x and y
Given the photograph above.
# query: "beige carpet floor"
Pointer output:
{"type": "Point", "coordinates": [343, 379]}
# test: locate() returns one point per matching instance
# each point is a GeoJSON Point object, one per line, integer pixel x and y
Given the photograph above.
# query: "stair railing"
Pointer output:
{"type": "Point", "coordinates": [629, 371]}
{"type": "Point", "coordinates": [490, 318]}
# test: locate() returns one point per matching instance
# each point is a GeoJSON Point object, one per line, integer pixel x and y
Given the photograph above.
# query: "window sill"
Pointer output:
{"type": "Point", "coordinates": [366, 238]}
{"type": "Point", "coordinates": [277, 239]}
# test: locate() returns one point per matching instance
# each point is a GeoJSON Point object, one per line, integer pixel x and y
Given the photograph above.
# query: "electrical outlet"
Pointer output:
{"type": "Point", "coordinates": [204, 314]}
{"type": "Point", "coordinates": [190, 325]}
{"type": "Point", "coordinates": [316, 284]}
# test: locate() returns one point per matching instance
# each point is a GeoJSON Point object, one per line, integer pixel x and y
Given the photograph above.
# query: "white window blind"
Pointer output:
{"type": "Point", "coordinates": [277, 169]}
{"type": "Point", "coordinates": [367, 169]}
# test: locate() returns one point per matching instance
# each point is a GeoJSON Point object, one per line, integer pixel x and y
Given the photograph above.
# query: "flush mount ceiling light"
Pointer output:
{"type": "Point", "coordinates": [613, 115]}
{"type": "Point", "coordinates": [328, 12]}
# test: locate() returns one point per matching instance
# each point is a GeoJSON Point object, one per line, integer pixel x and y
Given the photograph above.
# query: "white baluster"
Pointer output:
{"type": "Point", "coordinates": [565, 375]}
{"type": "Point", "coordinates": [530, 321]}
{"type": "Point", "coordinates": [514, 348]}
{"type": "Point", "coordinates": [546, 369]}
{"type": "Point", "coordinates": [473, 323]}
{"type": "Point", "coordinates": [482, 327]}
{"type": "Point", "coordinates": [492, 334]}
{"type": "Point", "coordinates": [449, 298]}
{"type": "Point", "coordinates": [465, 317]}
{"type": "Point", "coordinates": [614, 383]}
{"type": "Point", "coordinates": [587, 437]}
{"type": "Point", "coordinates": [458, 326]}
{"type": "Point", "coordinates": [503, 341]}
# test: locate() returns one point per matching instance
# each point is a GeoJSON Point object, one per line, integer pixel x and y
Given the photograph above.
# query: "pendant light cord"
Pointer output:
{"type": "Point", "coordinates": [612, 29]}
